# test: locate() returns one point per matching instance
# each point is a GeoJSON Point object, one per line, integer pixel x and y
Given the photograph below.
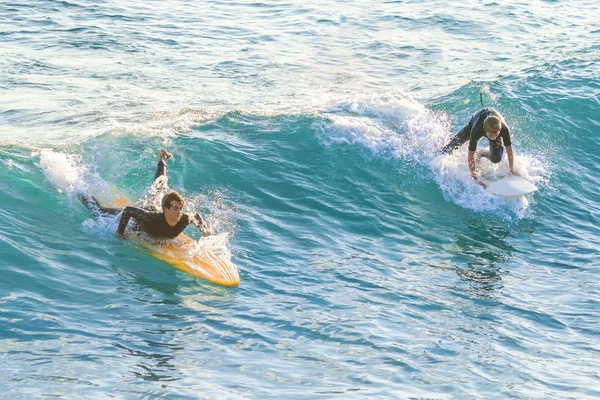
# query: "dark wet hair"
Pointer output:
{"type": "Point", "coordinates": [171, 197]}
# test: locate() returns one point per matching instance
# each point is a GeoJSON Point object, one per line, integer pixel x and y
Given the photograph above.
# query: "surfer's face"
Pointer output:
{"type": "Point", "coordinates": [492, 135]}
{"type": "Point", "coordinates": [174, 211]}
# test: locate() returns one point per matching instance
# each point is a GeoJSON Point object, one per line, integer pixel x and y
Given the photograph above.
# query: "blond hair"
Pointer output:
{"type": "Point", "coordinates": [171, 197]}
{"type": "Point", "coordinates": [492, 124]}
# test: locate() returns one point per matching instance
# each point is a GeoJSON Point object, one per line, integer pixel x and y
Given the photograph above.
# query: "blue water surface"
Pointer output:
{"type": "Point", "coordinates": [308, 135]}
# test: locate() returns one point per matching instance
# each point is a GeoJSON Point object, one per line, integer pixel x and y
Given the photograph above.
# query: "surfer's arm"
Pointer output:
{"type": "Point", "coordinates": [511, 159]}
{"type": "Point", "coordinates": [197, 220]}
{"type": "Point", "coordinates": [471, 160]}
{"type": "Point", "coordinates": [130, 212]}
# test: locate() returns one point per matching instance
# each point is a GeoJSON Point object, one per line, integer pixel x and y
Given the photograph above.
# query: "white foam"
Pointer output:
{"type": "Point", "coordinates": [222, 216]}
{"type": "Point", "coordinates": [63, 171]}
{"type": "Point", "coordinates": [375, 122]}
{"type": "Point", "coordinates": [104, 226]}
{"type": "Point", "coordinates": [69, 175]}
{"type": "Point", "coordinates": [164, 124]}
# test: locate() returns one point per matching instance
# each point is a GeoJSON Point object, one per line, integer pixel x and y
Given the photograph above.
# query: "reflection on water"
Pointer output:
{"type": "Point", "coordinates": [486, 250]}
{"type": "Point", "coordinates": [152, 366]}
{"type": "Point", "coordinates": [182, 307]}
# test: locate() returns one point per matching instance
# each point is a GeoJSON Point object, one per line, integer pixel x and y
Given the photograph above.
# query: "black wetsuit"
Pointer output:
{"type": "Point", "coordinates": [473, 131]}
{"type": "Point", "coordinates": [151, 222]}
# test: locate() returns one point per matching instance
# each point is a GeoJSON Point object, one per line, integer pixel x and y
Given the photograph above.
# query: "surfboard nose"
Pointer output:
{"type": "Point", "coordinates": [511, 186]}
{"type": "Point", "coordinates": [210, 263]}
{"type": "Point", "coordinates": [217, 270]}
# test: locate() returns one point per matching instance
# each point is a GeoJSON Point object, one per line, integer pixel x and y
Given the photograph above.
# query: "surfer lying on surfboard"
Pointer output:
{"type": "Point", "coordinates": [489, 123]}
{"type": "Point", "coordinates": [168, 223]}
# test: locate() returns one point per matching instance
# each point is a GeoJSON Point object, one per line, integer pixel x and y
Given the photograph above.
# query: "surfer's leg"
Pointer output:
{"type": "Point", "coordinates": [92, 204]}
{"type": "Point", "coordinates": [494, 154]}
{"type": "Point", "coordinates": [458, 140]}
{"type": "Point", "coordinates": [159, 186]}
{"type": "Point", "coordinates": [161, 168]}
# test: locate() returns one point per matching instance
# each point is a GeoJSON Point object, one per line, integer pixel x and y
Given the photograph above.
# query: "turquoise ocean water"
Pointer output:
{"type": "Point", "coordinates": [306, 133]}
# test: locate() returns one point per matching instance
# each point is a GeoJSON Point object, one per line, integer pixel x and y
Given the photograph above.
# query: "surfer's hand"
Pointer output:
{"type": "Point", "coordinates": [479, 182]}
{"type": "Point", "coordinates": [202, 225]}
{"type": "Point", "coordinates": [515, 173]}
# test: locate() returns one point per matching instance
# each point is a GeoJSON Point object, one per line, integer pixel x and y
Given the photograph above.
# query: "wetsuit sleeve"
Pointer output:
{"type": "Point", "coordinates": [473, 142]}
{"type": "Point", "coordinates": [161, 169]}
{"type": "Point", "coordinates": [505, 133]}
{"type": "Point", "coordinates": [129, 212]}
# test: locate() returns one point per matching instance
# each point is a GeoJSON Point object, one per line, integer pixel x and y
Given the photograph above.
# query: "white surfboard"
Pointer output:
{"type": "Point", "coordinates": [511, 186]}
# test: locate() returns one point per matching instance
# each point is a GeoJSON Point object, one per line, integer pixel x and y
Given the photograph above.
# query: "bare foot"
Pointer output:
{"type": "Point", "coordinates": [165, 155]}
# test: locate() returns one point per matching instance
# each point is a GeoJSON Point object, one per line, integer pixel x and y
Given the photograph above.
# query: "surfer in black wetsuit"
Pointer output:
{"type": "Point", "coordinates": [168, 223]}
{"type": "Point", "coordinates": [489, 123]}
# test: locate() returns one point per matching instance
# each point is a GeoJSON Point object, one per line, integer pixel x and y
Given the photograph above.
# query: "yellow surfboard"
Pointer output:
{"type": "Point", "coordinates": [187, 255]}
{"type": "Point", "coordinates": [203, 261]}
